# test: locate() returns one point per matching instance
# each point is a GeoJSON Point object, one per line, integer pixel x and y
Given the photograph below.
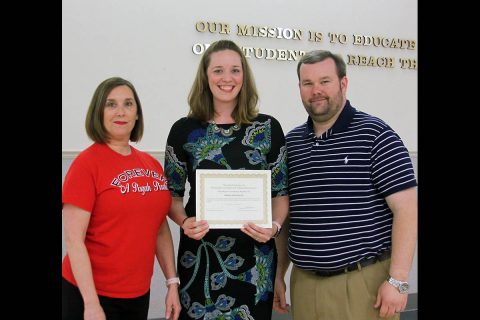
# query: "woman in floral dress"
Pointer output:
{"type": "Point", "coordinates": [225, 273]}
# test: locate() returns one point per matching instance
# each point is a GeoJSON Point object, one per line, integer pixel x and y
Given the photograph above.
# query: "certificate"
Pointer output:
{"type": "Point", "coordinates": [228, 199]}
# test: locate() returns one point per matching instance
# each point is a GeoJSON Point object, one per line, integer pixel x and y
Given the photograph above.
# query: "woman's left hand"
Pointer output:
{"type": "Point", "coordinates": [172, 303]}
{"type": "Point", "coordinates": [258, 233]}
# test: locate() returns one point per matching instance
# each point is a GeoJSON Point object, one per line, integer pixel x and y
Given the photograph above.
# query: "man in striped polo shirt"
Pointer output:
{"type": "Point", "coordinates": [353, 206]}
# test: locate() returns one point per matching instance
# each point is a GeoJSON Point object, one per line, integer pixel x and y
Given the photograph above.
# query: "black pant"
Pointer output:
{"type": "Point", "coordinates": [114, 308]}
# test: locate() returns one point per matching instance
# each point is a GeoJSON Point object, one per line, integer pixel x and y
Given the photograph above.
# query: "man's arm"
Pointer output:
{"type": "Point", "coordinates": [404, 238]}
{"type": "Point", "coordinates": [404, 231]}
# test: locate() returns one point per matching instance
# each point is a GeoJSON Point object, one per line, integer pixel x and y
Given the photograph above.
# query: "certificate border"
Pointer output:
{"type": "Point", "coordinates": [264, 175]}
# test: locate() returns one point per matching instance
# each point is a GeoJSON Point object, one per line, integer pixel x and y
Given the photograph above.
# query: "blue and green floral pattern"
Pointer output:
{"type": "Point", "coordinates": [205, 144]}
{"type": "Point", "coordinates": [260, 276]}
{"type": "Point", "coordinates": [225, 275]}
{"type": "Point", "coordinates": [177, 172]}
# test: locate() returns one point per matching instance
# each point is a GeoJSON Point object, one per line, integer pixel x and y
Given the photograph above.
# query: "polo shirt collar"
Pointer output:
{"type": "Point", "coordinates": [341, 124]}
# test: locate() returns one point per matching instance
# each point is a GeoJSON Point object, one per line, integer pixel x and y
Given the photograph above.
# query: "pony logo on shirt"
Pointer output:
{"type": "Point", "coordinates": [124, 181]}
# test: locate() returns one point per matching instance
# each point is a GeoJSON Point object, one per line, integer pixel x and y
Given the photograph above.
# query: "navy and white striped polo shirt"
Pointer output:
{"type": "Point", "coordinates": [337, 187]}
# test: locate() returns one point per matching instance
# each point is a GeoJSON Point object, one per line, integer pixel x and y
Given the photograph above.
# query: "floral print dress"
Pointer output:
{"type": "Point", "coordinates": [227, 274]}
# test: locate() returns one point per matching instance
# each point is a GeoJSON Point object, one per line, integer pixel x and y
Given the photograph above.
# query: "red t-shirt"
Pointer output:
{"type": "Point", "coordinates": [128, 199]}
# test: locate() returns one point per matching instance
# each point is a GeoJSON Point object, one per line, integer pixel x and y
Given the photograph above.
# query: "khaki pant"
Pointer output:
{"type": "Point", "coordinates": [348, 296]}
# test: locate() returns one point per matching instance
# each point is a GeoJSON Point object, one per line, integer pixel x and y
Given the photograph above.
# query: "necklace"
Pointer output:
{"type": "Point", "coordinates": [225, 132]}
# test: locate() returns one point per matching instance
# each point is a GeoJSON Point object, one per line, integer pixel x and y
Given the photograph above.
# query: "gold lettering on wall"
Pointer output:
{"type": "Point", "coordinates": [213, 27]}
{"type": "Point", "coordinates": [315, 37]}
{"type": "Point", "coordinates": [269, 32]}
{"type": "Point", "coordinates": [393, 43]}
{"type": "Point", "coordinates": [358, 60]}
{"type": "Point", "coordinates": [408, 63]}
{"type": "Point", "coordinates": [272, 54]}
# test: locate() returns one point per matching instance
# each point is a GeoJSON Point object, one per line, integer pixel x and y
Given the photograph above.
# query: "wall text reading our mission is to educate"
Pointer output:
{"type": "Point", "coordinates": [275, 54]}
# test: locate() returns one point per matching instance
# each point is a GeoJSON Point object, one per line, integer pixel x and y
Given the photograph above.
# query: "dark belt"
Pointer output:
{"type": "Point", "coordinates": [354, 266]}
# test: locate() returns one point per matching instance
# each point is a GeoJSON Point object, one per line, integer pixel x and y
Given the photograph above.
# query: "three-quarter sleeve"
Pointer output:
{"type": "Point", "coordinates": [176, 160]}
{"type": "Point", "coordinates": [277, 160]}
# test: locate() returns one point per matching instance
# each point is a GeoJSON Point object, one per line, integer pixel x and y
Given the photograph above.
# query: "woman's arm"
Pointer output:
{"type": "Point", "coordinates": [166, 259]}
{"type": "Point", "coordinates": [280, 209]}
{"type": "Point", "coordinates": [283, 262]}
{"type": "Point", "coordinates": [192, 228]}
{"type": "Point", "coordinates": [75, 223]}
{"type": "Point", "coordinates": [279, 214]}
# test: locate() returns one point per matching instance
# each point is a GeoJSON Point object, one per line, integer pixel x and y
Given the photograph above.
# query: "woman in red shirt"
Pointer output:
{"type": "Point", "coordinates": [115, 201]}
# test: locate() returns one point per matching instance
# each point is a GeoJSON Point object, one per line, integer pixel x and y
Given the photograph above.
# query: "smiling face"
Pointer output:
{"type": "Point", "coordinates": [322, 92]}
{"type": "Point", "coordinates": [120, 114]}
{"type": "Point", "coordinates": [225, 77]}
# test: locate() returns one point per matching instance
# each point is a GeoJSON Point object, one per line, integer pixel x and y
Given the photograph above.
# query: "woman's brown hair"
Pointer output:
{"type": "Point", "coordinates": [200, 97]}
{"type": "Point", "coordinates": [94, 120]}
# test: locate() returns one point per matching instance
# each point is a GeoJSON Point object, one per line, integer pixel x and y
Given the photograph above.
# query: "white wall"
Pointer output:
{"type": "Point", "coordinates": [149, 42]}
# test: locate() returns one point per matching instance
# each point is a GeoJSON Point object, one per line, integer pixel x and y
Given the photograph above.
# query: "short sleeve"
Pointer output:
{"type": "Point", "coordinates": [79, 186]}
{"type": "Point", "coordinates": [392, 168]}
